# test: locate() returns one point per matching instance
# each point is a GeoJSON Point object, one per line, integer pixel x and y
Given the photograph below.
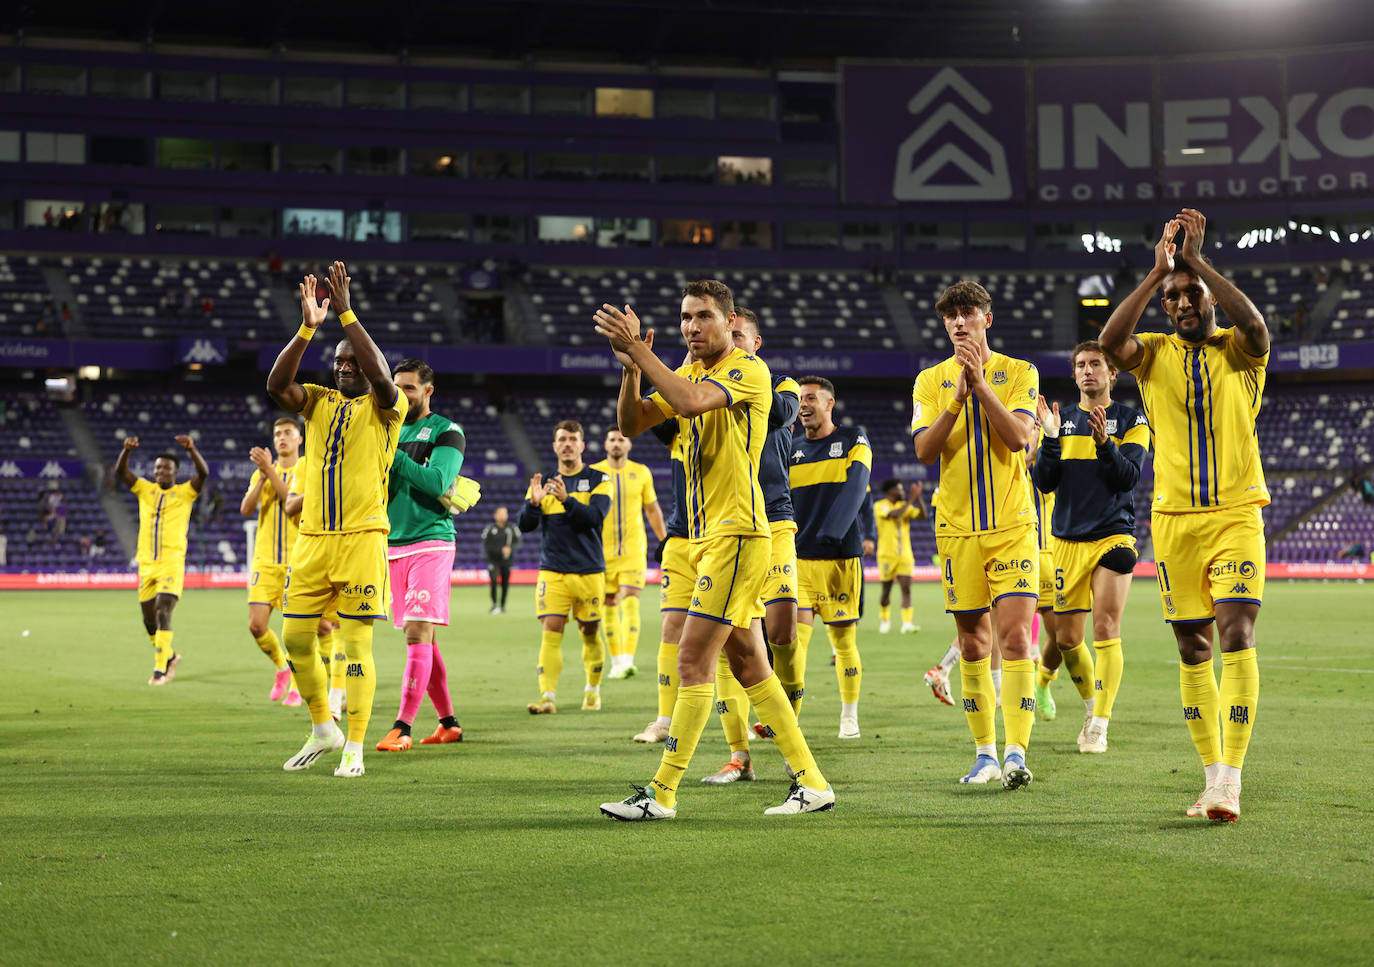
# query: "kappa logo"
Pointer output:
{"type": "Point", "coordinates": [1022, 584]}
{"type": "Point", "coordinates": [10, 469]}
{"type": "Point", "coordinates": [913, 181]}
{"type": "Point", "coordinates": [1240, 588]}
{"type": "Point", "coordinates": [202, 351]}
{"type": "Point", "coordinates": [784, 589]}
{"type": "Point", "coordinates": [52, 469]}
{"type": "Point", "coordinates": [946, 384]}
{"type": "Point", "coordinates": [797, 456]}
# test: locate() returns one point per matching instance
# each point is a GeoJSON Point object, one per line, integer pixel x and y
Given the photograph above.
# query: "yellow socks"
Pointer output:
{"type": "Point", "coordinates": [884, 613]}
{"type": "Point", "coordinates": [593, 655]}
{"type": "Point", "coordinates": [550, 661]}
{"type": "Point", "coordinates": [298, 634]}
{"type": "Point", "coordinates": [271, 647]}
{"type": "Point", "coordinates": [610, 624]}
{"type": "Point", "coordinates": [733, 706]}
{"type": "Point", "coordinates": [1106, 684]}
{"type": "Point", "coordinates": [1018, 700]}
{"type": "Point", "coordinates": [776, 715]}
{"type": "Point", "coordinates": [908, 616]}
{"type": "Point", "coordinates": [1078, 661]}
{"type": "Point", "coordinates": [980, 700]}
{"type": "Point", "coordinates": [690, 712]}
{"type": "Point", "coordinates": [1201, 705]}
{"type": "Point", "coordinates": [629, 627]}
{"type": "Point", "coordinates": [360, 681]}
{"type": "Point", "coordinates": [1239, 695]}
{"type": "Point", "coordinates": [849, 670]}
{"type": "Point", "coordinates": [162, 645]}
{"type": "Point", "coordinates": [791, 672]}
{"type": "Point", "coordinates": [337, 665]}
{"type": "Point", "coordinates": [1043, 676]}
{"type": "Point", "coordinates": [667, 678]}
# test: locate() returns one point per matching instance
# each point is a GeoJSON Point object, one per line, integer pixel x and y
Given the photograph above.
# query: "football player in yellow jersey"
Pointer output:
{"type": "Point", "coordinates": [894, 513]}
{"type": "Point", "coordinates": [268, 490]}
{"type": "Point", "coordinates": [721, 400]}
{"type": "Point", "coordinates": [339, 560]}
{"type": "Point", "coordinates": [1201, 388]}
{"type": "Point", "coordinates": [975, 414]}
{"type": "Point", "coordinates": [626, 549]}
{"type": "Point", "coordinates": [164, 511]}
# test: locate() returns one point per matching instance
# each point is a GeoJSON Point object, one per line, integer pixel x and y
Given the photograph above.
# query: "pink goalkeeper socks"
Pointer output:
{"type": "Point", "coordinates": [419, 660]}
{"type": "Point", "coordinates": [438, 685]}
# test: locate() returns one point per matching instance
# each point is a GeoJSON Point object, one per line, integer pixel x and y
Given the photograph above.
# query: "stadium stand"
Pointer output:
{"type": "Point", "coordinates": [822, 310]}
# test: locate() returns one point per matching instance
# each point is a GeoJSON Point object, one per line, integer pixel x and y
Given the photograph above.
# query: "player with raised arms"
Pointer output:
{"type": "Point", "coordinates": [1090, 459]}
{"type": "Point", "coordinates": [893, 513]}
{"type": "Point", "coordinates": [625, 547]}
{"type": "Point", "coordinates": [1202, 386]}
{"type": "Point", "coordinates": [975, 414]}
{"type": "Point", "coordinates": [339, 561]}
{"type": "Point", "coordinates": [269, 488]}
{"type": "Point", "coordinates": [721, 401]}
{"type": "Point", "coordinates": [164, 513]}
{"type": "Point", "coordinates": [569, 508]}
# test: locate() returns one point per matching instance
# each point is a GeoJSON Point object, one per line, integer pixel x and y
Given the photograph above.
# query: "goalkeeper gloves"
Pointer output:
{"type": "Point", "coordinates": [461, 495]}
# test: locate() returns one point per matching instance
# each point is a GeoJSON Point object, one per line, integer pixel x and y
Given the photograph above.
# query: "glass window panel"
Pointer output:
{"type": "Point", "coordinates": [624, 102]}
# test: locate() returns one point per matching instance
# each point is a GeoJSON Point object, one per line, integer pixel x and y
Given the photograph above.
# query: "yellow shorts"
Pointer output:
{"type": "Point", "coordinates": [1209, 557]}
{"type": "Point", "coordinates": [558, 593]}
{"type": "Point", "coordinates": [830, 588]}
{"type": "Point", "coordinates": [267, 584]}
{"type": "Point", "coordinates": [781, 584]}
{"type": "Point", "coordinates": [981, 569]}
{"type": "Point", "coordinates": [675, 587]}
{"type": "Point", "coordinates": [161, 577]}
{"type": "Point", "coordinates": [346, 573]}
{"type": "Point", "coordinates": [891, 568]}
{"type": "Point", "coordinates": [624, 572]}
{"type": "Point", "coordinates": [1047, 580]}
{"type": "Point", "coordinates": [728, 578]}
{"type": "Point", "coordinates": [1073, 575]}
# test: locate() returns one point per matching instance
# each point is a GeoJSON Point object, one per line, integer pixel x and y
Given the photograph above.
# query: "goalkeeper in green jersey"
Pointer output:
{"type": "Point", "coordinates": [426, 491]}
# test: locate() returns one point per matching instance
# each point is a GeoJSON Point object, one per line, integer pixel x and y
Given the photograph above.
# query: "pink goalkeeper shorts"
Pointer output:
{"type": "Point", "coordinates": [420, 582]}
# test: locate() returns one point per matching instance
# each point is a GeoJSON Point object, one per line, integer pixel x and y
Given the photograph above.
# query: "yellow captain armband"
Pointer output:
{"type": "Point", "coordinates": [305, 332]}
{"type": "Point", "coordinates": [348, 318]}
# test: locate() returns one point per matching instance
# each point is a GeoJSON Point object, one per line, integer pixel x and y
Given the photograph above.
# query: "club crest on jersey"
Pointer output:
{"type": "Point", "coordinates": [423, 435]}
{"type": "Point", "coordinates": [1111, 426]}
{"type": "Point", "coordinates": [999, 377]}
{"type": "Point", "coordinates": [736, 375]}
{"type": "Point", "coordinates": [584, 485]}
{"type": "Point", "coordinates": [837, 449]}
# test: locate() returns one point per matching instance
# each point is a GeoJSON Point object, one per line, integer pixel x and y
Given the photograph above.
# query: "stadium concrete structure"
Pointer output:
{"type": "Point", "coordinates": [161, 198]}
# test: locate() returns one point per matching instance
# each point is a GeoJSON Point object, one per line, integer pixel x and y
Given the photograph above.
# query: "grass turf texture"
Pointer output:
{"type": "Point", "coordinates": [157, 826]}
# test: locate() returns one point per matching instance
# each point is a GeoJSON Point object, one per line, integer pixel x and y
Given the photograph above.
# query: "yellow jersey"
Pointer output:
{"type": "Point", "coordinates": [163, 516]}
{"type": "Point", "coordinates": [349, 445]}
{"type": "Point", "coordinates": [1202, 400]}
{"type": "Point", "coordinates": [894, 533]}
{"type": "Point", "coordinates": [723, 447]}
{"type": "Point", "coordinates": [984, 486]}
{"type": "Point", "coordinates": [632, 489]}
{"type": "Point", "coordinates": [276, 531]}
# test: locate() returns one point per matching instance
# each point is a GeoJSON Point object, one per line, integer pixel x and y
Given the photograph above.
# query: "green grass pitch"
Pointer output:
{"type": "Point", "coordinates": [156, 826]}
